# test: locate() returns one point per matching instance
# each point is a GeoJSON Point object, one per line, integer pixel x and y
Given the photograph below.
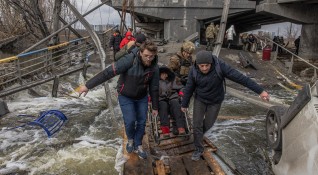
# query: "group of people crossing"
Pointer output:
{"type": "Point", "coordinates": [170, 89]}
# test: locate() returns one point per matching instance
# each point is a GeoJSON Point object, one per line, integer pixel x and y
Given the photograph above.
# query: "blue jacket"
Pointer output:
{"type": "Point", "coordinates": [209, 89]}
{"type": "Point", "coordinates": [134, 78]}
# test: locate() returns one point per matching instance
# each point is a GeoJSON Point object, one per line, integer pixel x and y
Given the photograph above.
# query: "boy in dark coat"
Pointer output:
{"type": "Point", "coordinates": [170, 88]}
{"type": "Point", "coordinates": [115, 41]}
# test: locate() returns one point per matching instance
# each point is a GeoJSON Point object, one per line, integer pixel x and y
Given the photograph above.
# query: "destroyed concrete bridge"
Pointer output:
{"type": "Point", "coordinates": [176, 19]}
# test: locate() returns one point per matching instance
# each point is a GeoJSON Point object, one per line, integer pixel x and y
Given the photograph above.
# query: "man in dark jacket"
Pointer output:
{"type": "Point", "coordinates": [138, 71]}
{"type": "Point", "coordinates": [206, 80]}
{"type": "Point", "coordinates": [115, 41]}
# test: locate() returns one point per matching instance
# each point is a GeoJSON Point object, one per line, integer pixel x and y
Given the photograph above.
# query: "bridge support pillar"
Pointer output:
{"type": "Point", "coordinates": [179, 29]}
{"type": "Point", "coordinates": [309, 41]}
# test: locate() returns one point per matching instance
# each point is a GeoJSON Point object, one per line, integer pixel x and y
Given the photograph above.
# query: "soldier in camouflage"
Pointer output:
{"type": "Point", "coordinates": [181, 62]}
{"type": "Point", "coordinates": [210, 36]}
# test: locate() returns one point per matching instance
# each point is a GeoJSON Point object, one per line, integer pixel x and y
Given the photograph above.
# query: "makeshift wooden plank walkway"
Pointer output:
{"type": "Point", "coordinates": [172, 156]}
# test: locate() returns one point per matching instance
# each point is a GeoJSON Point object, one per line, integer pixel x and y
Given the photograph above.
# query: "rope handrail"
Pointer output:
{"type": "Point", "coordinates": [278, 45]}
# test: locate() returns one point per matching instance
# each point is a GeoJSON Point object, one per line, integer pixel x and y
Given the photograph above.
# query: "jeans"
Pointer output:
{"type": "Point", "coordinates": [204, 117]}
{"type": "Point", "coordinates": [135, 115]}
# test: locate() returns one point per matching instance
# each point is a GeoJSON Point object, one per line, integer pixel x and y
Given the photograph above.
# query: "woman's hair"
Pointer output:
{"type": "Point", "coordinates": [149, 45]}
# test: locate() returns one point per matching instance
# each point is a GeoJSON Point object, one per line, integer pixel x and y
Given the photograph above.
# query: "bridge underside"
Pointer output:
{"type": "Point", "coordinates": [243, 21]}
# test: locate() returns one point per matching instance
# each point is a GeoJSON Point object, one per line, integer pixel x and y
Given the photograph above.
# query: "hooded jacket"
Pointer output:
{"type": "Point", "coordinates": [115, 41]}
{"type": "Point", "coordinates": [169, 89]}
{"type": "Point", "coordinates": [134, 78]}
{"type": "Point", "coordinates": [208, 88]}
{"type": "Point", "coordinates": [126, 40]}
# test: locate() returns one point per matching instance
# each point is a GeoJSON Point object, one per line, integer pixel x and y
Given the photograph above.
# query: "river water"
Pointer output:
{"type": "Point", "coordinates": [90, 142]}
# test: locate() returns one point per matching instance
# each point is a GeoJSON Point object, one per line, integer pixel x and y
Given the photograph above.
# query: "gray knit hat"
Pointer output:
{"type": "Point", "coordinates": [204, 57]}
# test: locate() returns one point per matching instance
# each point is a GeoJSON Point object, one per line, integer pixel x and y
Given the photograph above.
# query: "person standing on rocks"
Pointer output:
{"type": "Point", "coordinates": [206, 81]}
{"type": "Point", "coordinates": [181, 62]}
{"type": "Point", "coordinates": [139, 75]}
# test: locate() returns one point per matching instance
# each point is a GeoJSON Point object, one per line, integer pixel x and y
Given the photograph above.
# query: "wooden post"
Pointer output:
{"type": "Point", "coordinates": [55, 86]}
{"type": "Point", "coordinates": [56, 19]}
{"type": "Point", "coordinates": [215, 166]}
{"type": "Point", "coordinates": [69, 54]}
{"type": "Point", "coordinates": [315, 75]}
{"type": "Point", "coordinates": [219, 40]}
{"type": "Point", "coordinates": [17, 64]}
{"type": "Point", "coordinates": [84, 70]}
{"type": "Point", "coordinates": [290, 68]}
{"type": "Point", "coordinates": [275, 55]}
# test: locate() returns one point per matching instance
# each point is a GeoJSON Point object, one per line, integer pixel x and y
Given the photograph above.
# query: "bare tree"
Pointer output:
{"type": "Point", "coordinates": [291, 32]}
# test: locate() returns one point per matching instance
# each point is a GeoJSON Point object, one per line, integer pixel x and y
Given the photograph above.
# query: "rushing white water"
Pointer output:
{"type": "Point", "coordinates": [90, 141]}
{"type": "Point", "coordinates": [86, 144]}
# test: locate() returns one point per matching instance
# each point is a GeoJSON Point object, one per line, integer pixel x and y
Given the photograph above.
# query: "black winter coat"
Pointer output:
{"type": "Point", "coordinates": [208, 88]}
{"type": "Point", "coordinates": [134, 78]}
{"type": "Point", "coordinates": [115, 41]}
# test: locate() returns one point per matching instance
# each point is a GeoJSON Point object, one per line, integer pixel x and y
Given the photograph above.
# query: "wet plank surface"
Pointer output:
{"type": "Point", "coordinates": [177, 166]}
{"type": "Point", "coordinates": [195, 167]}
{"type": "Point", "coordinates": [136, 165]}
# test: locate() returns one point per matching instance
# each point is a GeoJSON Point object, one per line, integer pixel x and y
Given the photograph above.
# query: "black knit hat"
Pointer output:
{"type": "Point", "coordinates": [140, 38]}
{"type": "Point", "coordinates": [204, 57]}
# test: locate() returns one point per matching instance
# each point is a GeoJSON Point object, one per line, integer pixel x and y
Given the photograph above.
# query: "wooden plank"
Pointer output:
{"type": "Point", "coordinates": [160, 167]}
{"type": "Point", "coordinates": [213, 163]}
{"type": "Point", "coordinates": [177, 166]}
{"type": "Point", "coordinates": [136, 165]}
{"type": "Point", "coordinates": [209, 142]}
{"type": "Point", "coordinates": [195, 167]}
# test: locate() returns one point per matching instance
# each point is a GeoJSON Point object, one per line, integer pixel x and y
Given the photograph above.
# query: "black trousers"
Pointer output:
{"type": "Point", "coordinates": [173, 108]}
{"type": "Point", "coordinates": [204, 117]}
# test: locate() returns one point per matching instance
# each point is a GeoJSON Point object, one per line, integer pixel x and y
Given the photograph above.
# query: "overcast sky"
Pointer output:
{"type": "Point", "coordinates": [103, 15]}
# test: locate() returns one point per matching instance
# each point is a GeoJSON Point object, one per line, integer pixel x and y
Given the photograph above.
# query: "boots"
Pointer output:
{"type": "Point", "coordinates": [181, 131]}
{"type": "Point", "coordinates": [165, 131]}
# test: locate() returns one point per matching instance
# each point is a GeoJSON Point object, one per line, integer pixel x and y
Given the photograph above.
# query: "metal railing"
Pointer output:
{"type": "Point", "coordinates": [293, 56]}
{"type": "Point", "coordinates": [39, 66]}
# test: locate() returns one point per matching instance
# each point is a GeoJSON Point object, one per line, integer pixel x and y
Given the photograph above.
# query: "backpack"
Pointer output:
{"type": "Point", "coordinates": [218, 70]}
{"type": "Point", "coordinates": [124, 51]}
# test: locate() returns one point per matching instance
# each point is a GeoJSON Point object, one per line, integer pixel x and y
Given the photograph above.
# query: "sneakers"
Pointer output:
{"type": "Point", "coordinates": [181, 131]}
{"type": "Point", "coordinates": [196, 155]}
{"type": "Point", "coordinates": [165, 131]}
{"type": "Point", "coordinates": [130, 146]}
{"type": "Point", "coordinates": [141, 153]}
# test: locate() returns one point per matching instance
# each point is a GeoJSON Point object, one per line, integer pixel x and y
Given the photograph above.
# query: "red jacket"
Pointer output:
{"type": "Point", "coordinates": [126, 40]}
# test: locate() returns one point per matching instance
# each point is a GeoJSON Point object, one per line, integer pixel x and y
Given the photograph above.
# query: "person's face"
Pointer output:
{"type": "Point", "coordinates": [147, 57]}
{"type": "Point", "coordinates": [186, 54]}
{"type": "Point", "coordinates": [128, 37]}
{"type": "Point", "coordinates": [163, 76]}
{"type": "Point", "coordinates": [204, 68]}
